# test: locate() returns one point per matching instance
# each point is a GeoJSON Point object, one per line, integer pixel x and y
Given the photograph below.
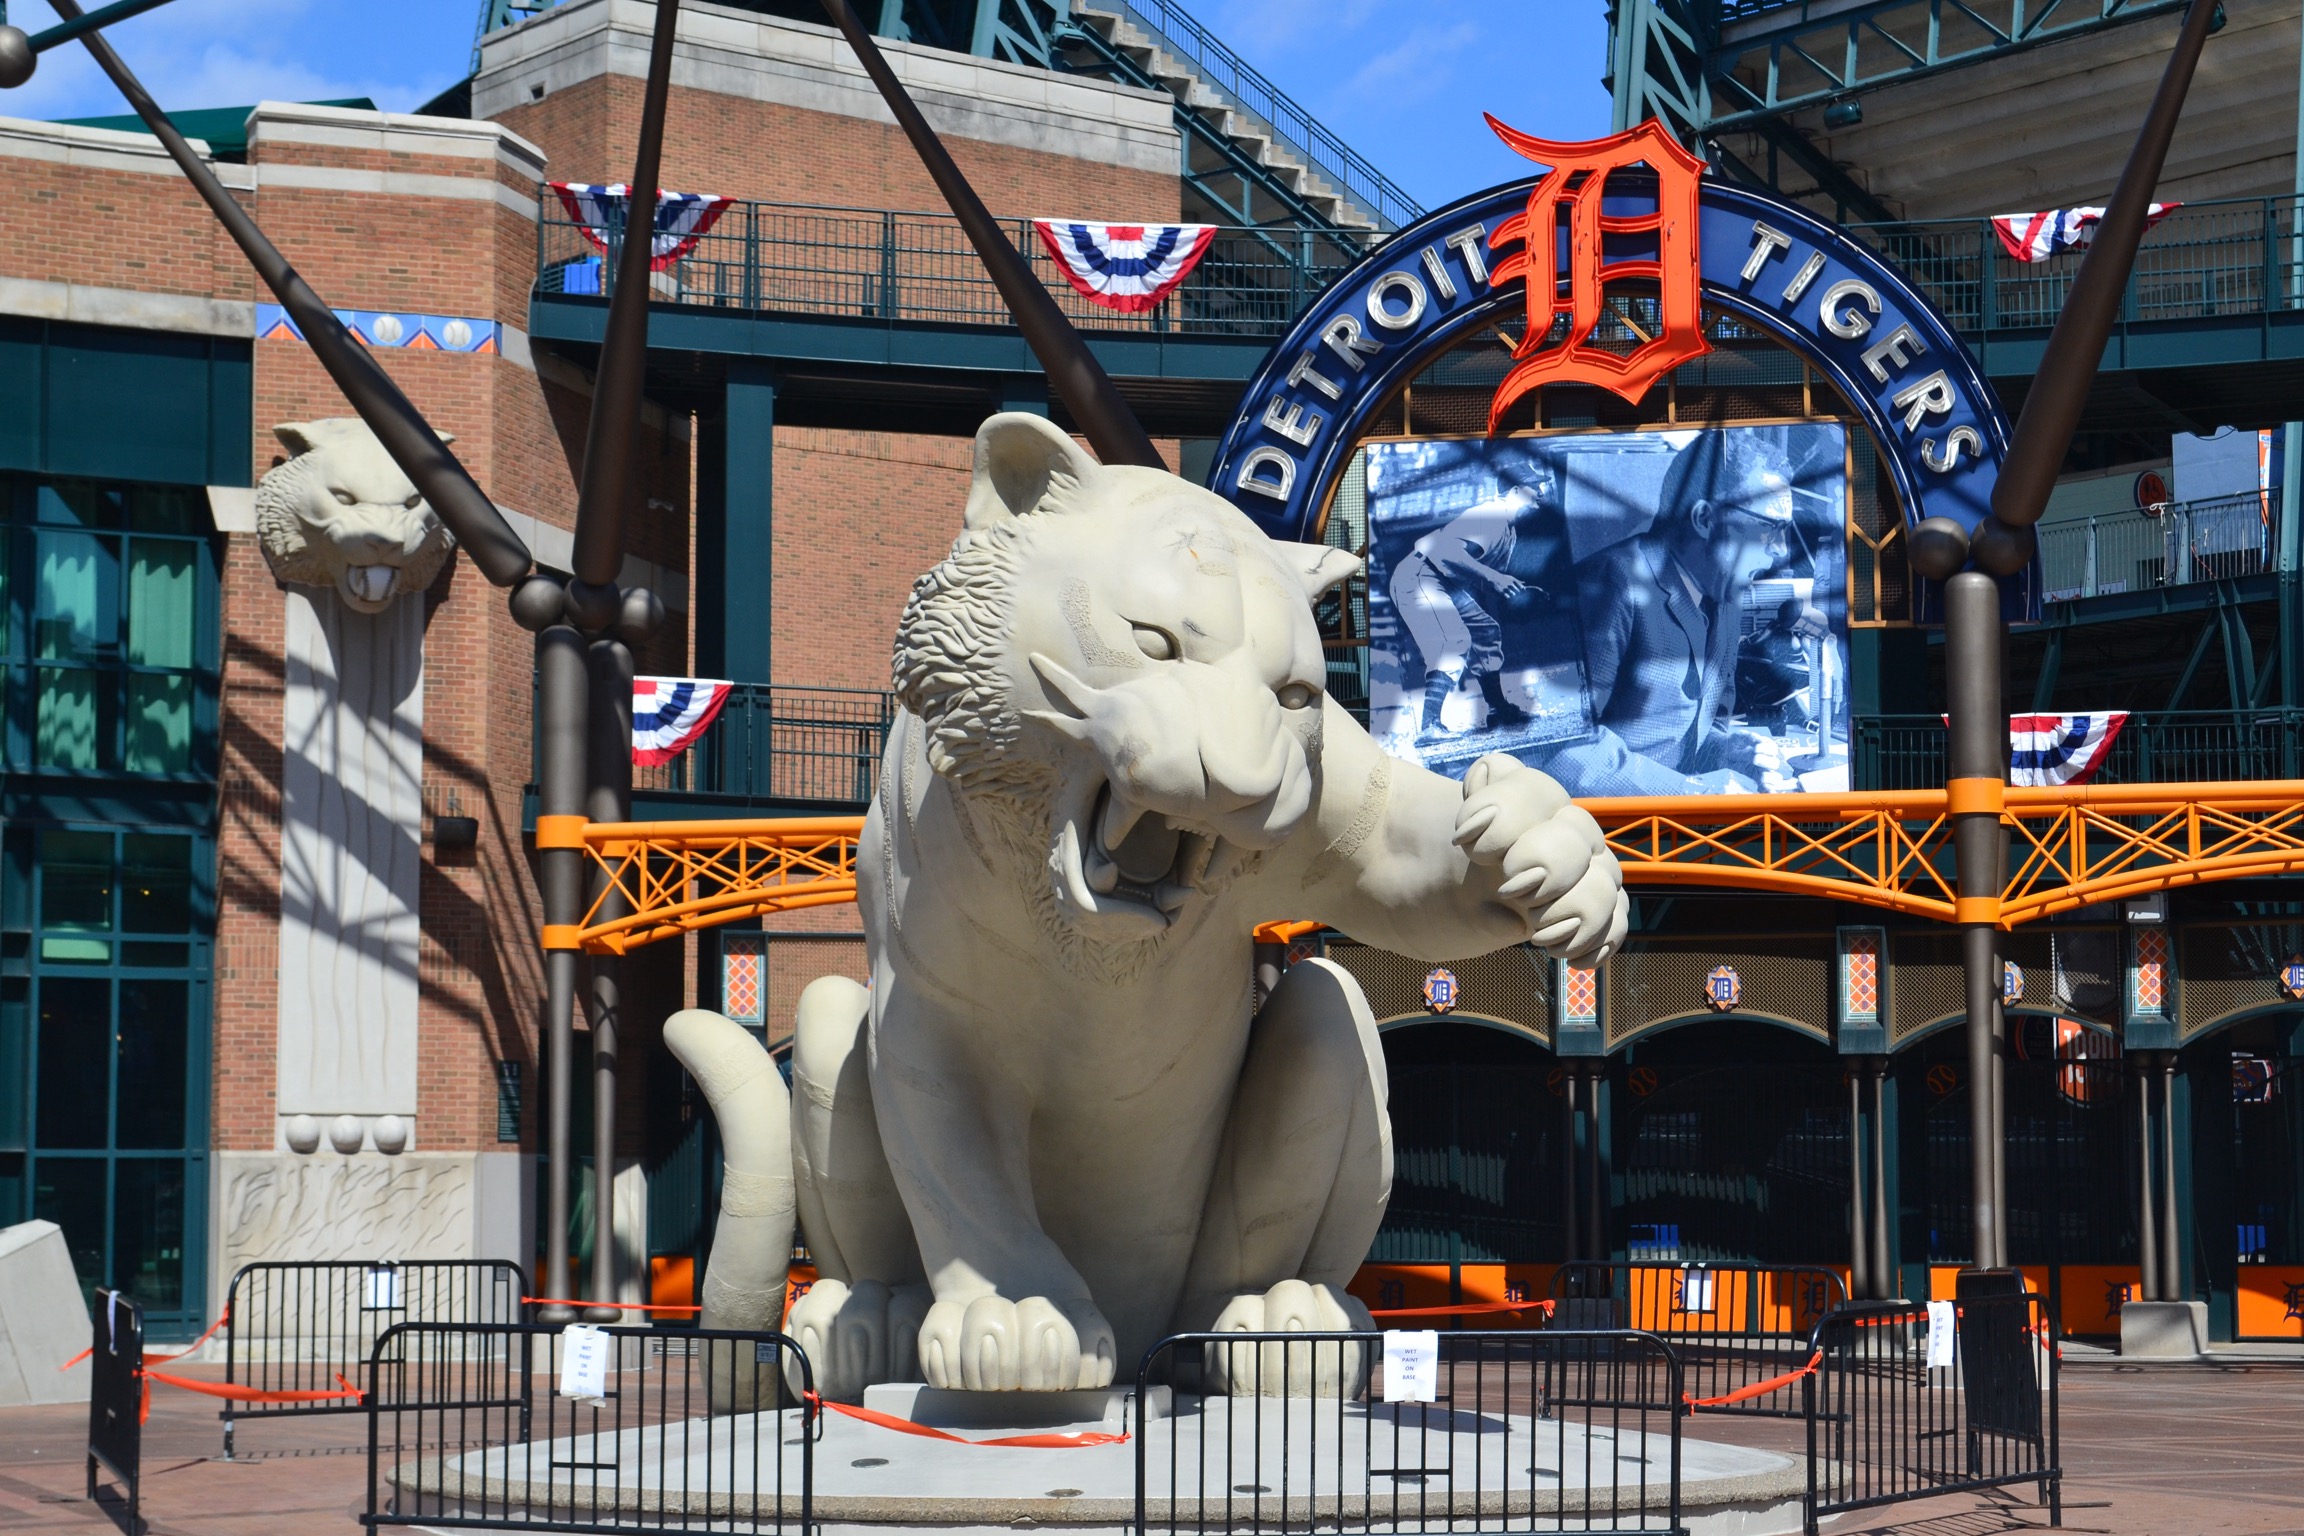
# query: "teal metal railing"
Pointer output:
{"type": "Point", "coordinates": [2171, 545]}
{"type": "Point", "coordinates": [781, 742]}
{"type": "Point", "coordinates": [2242, 256]}
{"type": "Point", "coordinates": [2170, 747]}
{"type": "Point", "coordinates": [1237, 85]}
{"type": "Point", "coordinates": [891, 266]}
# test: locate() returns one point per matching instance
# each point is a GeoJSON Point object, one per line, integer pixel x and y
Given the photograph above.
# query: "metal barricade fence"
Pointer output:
{"type": "Point", "coordinates": [1522, 1431]}
{"type": "Point", "coordinates": [116, 1396]}
{"type": "Point", "coordinates": [1911, 1399]}
{"type": "Point", "coordinates": [475, 1427]}
{"type": "Point", "coordinates": [1732, 1326]}
{"type": "Point", "coordinates": [296, 1325]}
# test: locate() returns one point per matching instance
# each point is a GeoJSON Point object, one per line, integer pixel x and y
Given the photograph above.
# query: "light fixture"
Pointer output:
{"type": "Point", "coordinates": [1847, 112]}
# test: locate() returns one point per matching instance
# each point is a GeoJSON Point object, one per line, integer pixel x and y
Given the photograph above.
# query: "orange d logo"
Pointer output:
{"type": "Point", "coordinates": [1574, 188]}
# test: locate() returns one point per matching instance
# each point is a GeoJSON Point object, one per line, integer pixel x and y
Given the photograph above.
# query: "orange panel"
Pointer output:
{"type": "Point", "coordinates": [1383, 1286]}
{"type": "Point", "coordinates": [2271, 1301]}
{"type": "Point", "coordinates": [2092, 1294]}
{"type": "Point", "coordinates": [796, 1282]}
{"type": "Point", "coordinates": [672, 1282]}
{"type": "Point", "coordinates": [1795, 1301]}
{"type": "Point", "coordinates": [1943, 1280]}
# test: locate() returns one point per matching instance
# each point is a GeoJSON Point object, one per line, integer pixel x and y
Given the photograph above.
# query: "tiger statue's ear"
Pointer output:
{"type": "Point", "coordinates": [1020, 458]}
{"type": "Point", "coordinates": [1319, 566]}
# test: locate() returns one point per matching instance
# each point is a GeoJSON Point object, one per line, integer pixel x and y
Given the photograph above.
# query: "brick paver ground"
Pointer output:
{"type": "Point", "coordinates": [2165, 1450]}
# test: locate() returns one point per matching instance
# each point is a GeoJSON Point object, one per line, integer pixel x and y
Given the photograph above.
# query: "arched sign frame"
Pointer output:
{"type": "Point", "coordinates": [1840, 306]}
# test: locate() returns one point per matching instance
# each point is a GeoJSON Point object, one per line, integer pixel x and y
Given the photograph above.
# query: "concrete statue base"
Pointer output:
{"type": "Point", "coordinates": [873, 1479]}
{"type": "Point", "coordinates": [2164, 1330]}
{"type": "Point", "coordinates": [43, 1317]}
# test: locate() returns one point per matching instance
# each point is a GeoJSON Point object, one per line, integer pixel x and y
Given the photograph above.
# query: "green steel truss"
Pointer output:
{"type": "Point", "coordinates": [1709, 66]}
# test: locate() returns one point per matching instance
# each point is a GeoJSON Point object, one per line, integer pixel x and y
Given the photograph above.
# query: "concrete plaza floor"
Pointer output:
{"type": "Point", "coordinates": [2154, 1450]}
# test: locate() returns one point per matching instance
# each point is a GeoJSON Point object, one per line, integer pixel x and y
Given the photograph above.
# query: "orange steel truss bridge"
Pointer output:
{"type": "Point", "coordinates": [1891, 849]}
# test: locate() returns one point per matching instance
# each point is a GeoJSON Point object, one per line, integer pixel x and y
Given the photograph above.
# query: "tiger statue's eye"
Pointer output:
{"type": "Point", "coordinates": [1297, 696]}
{"type": "Point", "coordinates": [1156, 643]}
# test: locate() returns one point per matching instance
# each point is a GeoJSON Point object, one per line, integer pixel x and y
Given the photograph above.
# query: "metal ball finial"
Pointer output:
{"type": "Point", "coordinates": [17, 60]}
{"type": "Point", "coordinates": [2000, 549]}
{"type": "Point", "coordinates": [537, 603]}
{"type": "Point", "coordinates": [594, 607]}
{"type": "Point", "coordinates": [1939, 547]}
{"type": "Point", "coordinates": [641, 616]}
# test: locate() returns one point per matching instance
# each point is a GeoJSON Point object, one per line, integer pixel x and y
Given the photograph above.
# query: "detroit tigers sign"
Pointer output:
{"type": "Point", "coordinates": [1769, 263]}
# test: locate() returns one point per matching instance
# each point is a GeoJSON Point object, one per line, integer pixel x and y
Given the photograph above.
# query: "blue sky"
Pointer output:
{"type": "Point", "coordinates": [1403, 83]}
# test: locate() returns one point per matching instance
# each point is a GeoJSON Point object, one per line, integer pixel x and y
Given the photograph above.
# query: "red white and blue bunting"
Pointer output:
{"type": "Point", "coordinates": [2060, 749]}
{"type": "Point", "coordinates": [2033, 237]}
{"type": "Point", "coordinates": [669, 713]}
{"type": "Point", "coordinates": [1127, 267]}
{"type": "Point", "coordinates": [682, 218]}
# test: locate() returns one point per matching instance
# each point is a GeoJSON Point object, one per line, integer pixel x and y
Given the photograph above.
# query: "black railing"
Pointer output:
{"type": "Point", "coordinates": [888, 266]}
{"type": "Point", "coordinates": [1523, 1431]}
{"type": "Point", "coordinates": [486, 1427]}
{"type": "Point", "coordinates": [774, 741]}
{"type": "Point", "coordinates": [1913, 1399]}
{"type": "Point", "coordinates": [2176, 747]}
{"type": "Point", "coordinates": [300, 1325]}
{"type": "Point", "coordinates": [1732, 1326]}
{"type": "Point", "coordinates": [116, 1397]}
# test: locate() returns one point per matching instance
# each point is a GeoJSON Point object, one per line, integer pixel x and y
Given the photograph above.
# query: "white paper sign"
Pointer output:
{"type": "Point", "coordinates": [583, 1362]}
{"type": "Point", "coordinates": [1696, 1290]}
{"type": "Point", "coordinates": [380, 1289]}
{"type": "Point", "coordinates": [1943, 1331]}
{"type": "Point", "coordinates": [1412, 1366]}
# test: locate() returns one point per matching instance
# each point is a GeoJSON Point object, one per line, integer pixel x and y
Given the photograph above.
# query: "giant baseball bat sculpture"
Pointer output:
{"type": "Point", "coordinates": [2003, 544]}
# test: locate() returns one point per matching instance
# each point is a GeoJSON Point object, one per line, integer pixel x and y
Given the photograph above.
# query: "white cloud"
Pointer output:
{"type": "Point", "coordinates": [1416, 66]}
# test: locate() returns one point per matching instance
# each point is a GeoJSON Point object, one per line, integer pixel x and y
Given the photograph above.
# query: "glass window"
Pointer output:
{"type": "Point", "coordinates": [161, 603]}
{"type": "Point", "coordinates": [168, 509]}
{"type": "Point", "coordinates": [155, 883]}
{"type": "Point", "coordinates": [80, 502]}
{"type": "Point", "coordinates": [148, 1231]}
{"type": "Point", "coordinates": [69, 1191]}
{"type": "Point", "coordinates": [75, 1061]}
{"type": "Point", "coordinates": [76, 878]}
{"type": "Point", "coordinates": [75, 717]}
{"type": "Point", "coordinates": [76, 611]}
{"type": "Point", "coordinates": [150, 1103]}
{"type": "Point", "coordinates": [159, 724]}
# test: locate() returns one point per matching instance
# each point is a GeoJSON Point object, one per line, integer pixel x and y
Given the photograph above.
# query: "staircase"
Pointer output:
{"type": "Point", "coordinates": [1265, 129]}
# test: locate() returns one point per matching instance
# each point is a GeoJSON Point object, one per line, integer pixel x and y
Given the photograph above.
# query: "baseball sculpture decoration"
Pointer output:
{"type": "Point", "coordinates": [340, 513]}
{"type": "Point", "coordinates": [1051, 1130]}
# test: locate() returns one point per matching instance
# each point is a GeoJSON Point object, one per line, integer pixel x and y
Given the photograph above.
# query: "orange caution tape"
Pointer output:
{"type": "Point", "coordinates": [1470, 1309]}
{"type": "Point", "coordinates": [151, 1355]}
{"type": "Point", "coordinates": [1078, 1440]}
{"type": "Point", "coordinates": [620, 1306]}
{"type": "Point", "coordinates": [241, 1394]}
{"type": "Point", "coordinates": [1758, 1388]}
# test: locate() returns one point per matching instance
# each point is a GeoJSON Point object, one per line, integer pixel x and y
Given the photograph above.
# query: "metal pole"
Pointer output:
{"type": "Point", "coordinates": [2171, 1234]}
{"type": "Point", "coordinates": [1883, 1282]}
{"type": "Point", "coordinates": [2000, 1107]}
{"type": "Point", "coordinates": [2053, 401]}
{"type": "Point", "coordinates": [607, 480]}
{"type": "Point", "coordinates": [2147, 1189]}
{"type": "Point", "coordinates": [1571, 1222]}
{"type": "Point", "coordinates": [1976, 755]}
{"type": "Point", "coordinates": [561, 686]}
{"type": "Point", "coordinates": [1104, 416]}
{"type": "Point", "coordinates": [1595, 1212]}
{"type": "Point", "coordinates": [607, 798]}
{"type": "Point", "coordinates": [1859, 1240]}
